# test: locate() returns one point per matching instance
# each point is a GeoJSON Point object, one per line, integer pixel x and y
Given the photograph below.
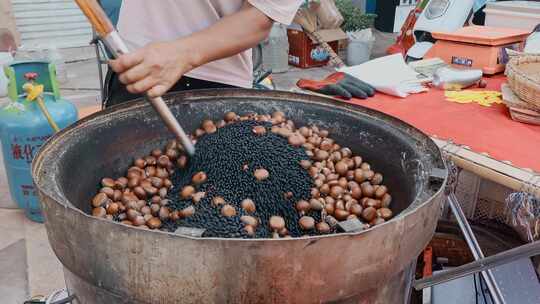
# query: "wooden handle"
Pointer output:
{"type": "Point", "coordinates": [96, 16]}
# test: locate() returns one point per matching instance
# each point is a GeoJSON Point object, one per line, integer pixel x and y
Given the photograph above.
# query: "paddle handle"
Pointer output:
{"type": "Point", "coordinates": [96, 16]}
{"type": "Point", "coordinates": [103, 26]}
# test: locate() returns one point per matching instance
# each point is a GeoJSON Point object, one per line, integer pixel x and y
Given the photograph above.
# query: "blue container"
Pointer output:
{"type": "Point", "coordinates": [371, 6]}
{"type": "Point", "coordinates": [24, 129]}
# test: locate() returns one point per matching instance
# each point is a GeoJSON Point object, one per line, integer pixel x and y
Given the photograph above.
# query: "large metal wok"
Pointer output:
{"type": "Point", "coordinates": [107, 262]}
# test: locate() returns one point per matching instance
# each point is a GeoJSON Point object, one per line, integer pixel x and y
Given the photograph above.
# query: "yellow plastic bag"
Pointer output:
{"type": "Point", "coordinates": [483, 98]}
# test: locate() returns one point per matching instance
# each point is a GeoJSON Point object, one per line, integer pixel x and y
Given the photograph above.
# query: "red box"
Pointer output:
{"type": "Point", "coordinates": [303, 53]}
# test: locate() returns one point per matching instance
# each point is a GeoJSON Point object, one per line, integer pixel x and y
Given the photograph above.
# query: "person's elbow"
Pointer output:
{"type": "Point", "coordinates": [261, 23]}
{"type": "Point", "coordinates": [264, 25]}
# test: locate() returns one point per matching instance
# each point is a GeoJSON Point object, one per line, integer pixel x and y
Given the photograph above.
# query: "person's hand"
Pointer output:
{"type": "Point", "coordinates": [154, 68]}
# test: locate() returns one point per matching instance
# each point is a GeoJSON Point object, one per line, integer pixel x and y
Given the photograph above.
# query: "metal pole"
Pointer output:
{"type": "Point", "coordinates": [471, 240]}
{"type": "Point", "coordinates": [410, 273]}
{"type": "Point", "coordinates": [485, 264]}
{"type": "Point", "coordinates": [100, 72]}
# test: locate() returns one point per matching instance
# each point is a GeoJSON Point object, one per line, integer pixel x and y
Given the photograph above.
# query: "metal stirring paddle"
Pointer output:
{"type": "Point", "coordinates": [110, 37]}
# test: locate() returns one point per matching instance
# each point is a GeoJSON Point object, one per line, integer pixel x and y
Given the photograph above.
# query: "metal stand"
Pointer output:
{"type": "Point", "coordinates": [475, 248]}
{"type": "Point", "coordinates": [471, 240]}
{"type": "Point", "coordinates": [491, 262]}
{"type": "Point", "coordinates": [482, 264]}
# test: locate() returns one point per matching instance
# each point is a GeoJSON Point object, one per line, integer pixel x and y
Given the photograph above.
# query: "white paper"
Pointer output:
{"type": "Point", "coordinates": [532, 46]}
{"type": "Point", "coordinates": [389, 74]}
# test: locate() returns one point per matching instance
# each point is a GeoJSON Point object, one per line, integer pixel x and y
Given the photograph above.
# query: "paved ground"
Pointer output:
{"type": "Point", "coordinates": [28, 266]}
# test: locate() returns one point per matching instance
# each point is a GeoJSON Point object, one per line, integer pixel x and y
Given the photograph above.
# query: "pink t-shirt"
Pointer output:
{"type": "Point", "coordinates": [144, 21]}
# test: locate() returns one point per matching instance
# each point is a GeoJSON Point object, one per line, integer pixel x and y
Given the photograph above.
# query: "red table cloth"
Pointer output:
{"type": "Point", "coordinates": [483, 129]}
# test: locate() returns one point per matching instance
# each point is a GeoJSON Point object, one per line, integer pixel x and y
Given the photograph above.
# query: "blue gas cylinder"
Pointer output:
{"type": "Point", "coordinates": [24, 128]}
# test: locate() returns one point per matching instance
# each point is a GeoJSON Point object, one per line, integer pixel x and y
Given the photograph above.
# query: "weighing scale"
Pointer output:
{"type": "Point", "coordinates": [477, 47]}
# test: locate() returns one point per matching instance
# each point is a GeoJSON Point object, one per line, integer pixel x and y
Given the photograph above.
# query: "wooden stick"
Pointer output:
{"type": "Point", "coordinates": [96, 16]}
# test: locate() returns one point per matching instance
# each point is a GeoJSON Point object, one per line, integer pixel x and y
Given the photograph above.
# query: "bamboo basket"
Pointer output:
{"type": "Point", "coordinates": [523, 73]}
{"type": "Point", "coordinates": [520, 110]}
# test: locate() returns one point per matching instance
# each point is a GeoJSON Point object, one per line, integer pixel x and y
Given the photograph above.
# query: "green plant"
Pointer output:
{"type": "Point", "coordinates": [353, 18]}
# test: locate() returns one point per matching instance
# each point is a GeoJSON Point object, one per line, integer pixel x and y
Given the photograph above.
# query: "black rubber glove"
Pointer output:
{"type": "Point", "coordinates": [339, 84]}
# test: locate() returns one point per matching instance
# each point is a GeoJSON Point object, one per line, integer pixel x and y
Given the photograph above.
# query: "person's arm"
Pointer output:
{"type": "Point", "coordinates": [158, 66]}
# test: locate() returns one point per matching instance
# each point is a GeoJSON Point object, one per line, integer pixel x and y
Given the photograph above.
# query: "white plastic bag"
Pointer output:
{"type": "Point", "coordinates": [532, 45]}
{"type": "Point", "coordinates": [5, 59]}
{"type": "Point", "coordinates": [54, 56]}
{"type": "Point", "coordinates": [360, 46]}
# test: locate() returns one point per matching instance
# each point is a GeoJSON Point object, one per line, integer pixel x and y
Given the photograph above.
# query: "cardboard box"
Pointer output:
{"type": "Point", "coordinates": [304, 53]}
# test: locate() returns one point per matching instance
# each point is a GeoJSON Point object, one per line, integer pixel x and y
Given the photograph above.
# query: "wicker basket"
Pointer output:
{"type": "Point", "coordinates": [519, 109]}
{"type": "Point", "coordinates": [523, 73]}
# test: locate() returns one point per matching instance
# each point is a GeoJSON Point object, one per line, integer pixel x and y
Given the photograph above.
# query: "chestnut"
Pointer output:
{"type": "Point", "coordinates": [187, 192]}
{"type": "Point", "coordinates": [341, 168]}
{"type": "Point", "coordinates": [259, 130]}
{"type": "Point", "coordinates": [377, 179]}
{"type": "Point", "coordinates": [316, 204]}
{"type": "Point", "coordinates": [322, 227]}
{"type": "Point", "coordinates": [296, 140]}
{"type": "Point", "coordinates": [356, 209]}
{"type": "Point", "coordinates": [249, 220]}
{"type": "Point", "coordinates": [250, 230]}
{"type": "Point", "coordinates": [199, 178]}
{"type": "Point", "coordinates": [218, 200]}
{"type": "Point", "coordinates": [107, 182]}
{"type": "Point", "coordinates": [228, 211]}
{"type": "Point", "coordinates": [248, 205]}
{"type": "Point", "coordinates": [153, 223]}
{"type": "Point", "coordinates": [303, 206]}
{"type": "Point", "coordinates": [341, 215]}
{"type": "Point", "coordinates": [261, 174]}
{"type": "Point", "coordinates": [276, 223]}
{"type": "Point", "coordinates": [385, 213]}
{"type": "Point", "coordinates": [100, 200]}
{"type": "Point", "coordinates": [386, 200]}
{"type": "Point", "coordinates": [108, 191]}
{"type": "Point", "coordinates": [99, 212]}
{"type": "Point", "coordinates": [306, 223]}
{"type": "Point", "coordinates": [197, 197]}
{"type": "Point", "coordinates": [187, 212]}
{"type": "Point", "coordinates": [369, 214]}
{"type": "Point", "coordinates": [230, 116]}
